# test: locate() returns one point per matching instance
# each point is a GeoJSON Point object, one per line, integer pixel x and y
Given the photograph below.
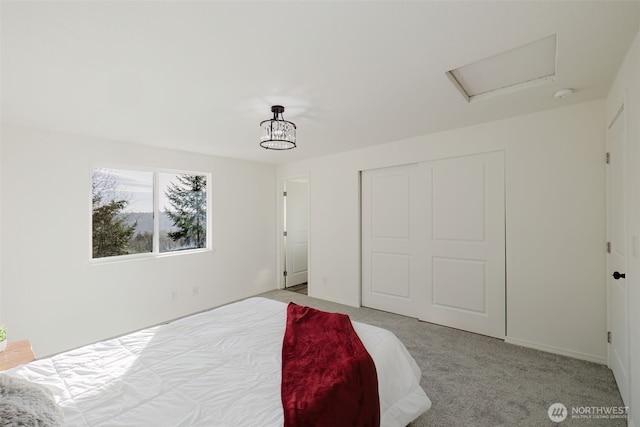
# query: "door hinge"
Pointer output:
{"type": "Point", "coordinates": [608, 158]}
{"type": "Point", "coordinates": [608, 247]}
{"type": "Point", "coordinates": [285, 273]}
{"type": "Point", "coordinates": [284, 233]}
{"type": "Point", "coordinates": [284, 193]}
{"type": "Point", "coordinates": [609, 337]}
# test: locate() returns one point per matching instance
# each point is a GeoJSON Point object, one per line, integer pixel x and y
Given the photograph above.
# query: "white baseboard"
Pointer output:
{"type": "Point", "coordinates": [558, 350]}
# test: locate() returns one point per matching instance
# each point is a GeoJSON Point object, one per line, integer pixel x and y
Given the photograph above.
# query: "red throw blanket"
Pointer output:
{"type": "Point", "coordinates": [328, 377]}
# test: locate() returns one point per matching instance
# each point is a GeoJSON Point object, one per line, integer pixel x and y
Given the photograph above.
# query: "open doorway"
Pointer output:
{"type": "Point", "coordinates": [295, 235]}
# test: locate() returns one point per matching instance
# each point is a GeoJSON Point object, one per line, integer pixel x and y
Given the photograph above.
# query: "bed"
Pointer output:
{"type": "Point", "coordinates": [217, 368]}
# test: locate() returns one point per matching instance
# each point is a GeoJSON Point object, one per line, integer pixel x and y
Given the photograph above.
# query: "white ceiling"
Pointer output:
{"type": "Point", "coordinates": [200, 76]}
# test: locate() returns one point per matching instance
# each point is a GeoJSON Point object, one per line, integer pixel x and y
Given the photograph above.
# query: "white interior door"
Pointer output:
{"type": "Point", "coordinates": [390, 235]}
{"type": "Point", "coordinates": [465, 243]}
{"type": "Point", "coordinates": [297, 231]}
{"type": "Point", "coordinates": [618, 349]}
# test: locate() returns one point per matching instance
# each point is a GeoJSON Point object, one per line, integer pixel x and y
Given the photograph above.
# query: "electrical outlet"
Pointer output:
{"type": "Point", "coordinates": [174, 295]}
{"type": "Point", "coordinates": [196, 291]}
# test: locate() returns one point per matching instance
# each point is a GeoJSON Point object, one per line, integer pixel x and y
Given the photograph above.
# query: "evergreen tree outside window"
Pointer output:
{"type": "Point", "coordinates": [136, 213]}
{"type": "Point", "coordinates": [117, 197]}
{"type": "Point", "coordinates": [184, 210]}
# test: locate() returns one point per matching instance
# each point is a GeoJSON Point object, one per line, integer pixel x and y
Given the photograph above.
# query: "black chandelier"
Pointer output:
{"type": "Point", "coordinates": [277, 133]}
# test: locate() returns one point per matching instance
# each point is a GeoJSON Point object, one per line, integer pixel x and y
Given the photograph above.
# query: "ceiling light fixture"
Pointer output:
{"type": "Point", "coordinates": [277, 133]}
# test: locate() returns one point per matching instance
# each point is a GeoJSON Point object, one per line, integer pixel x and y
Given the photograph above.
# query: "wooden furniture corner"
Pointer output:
{"type": "Point", "coordinates": [16, 353]}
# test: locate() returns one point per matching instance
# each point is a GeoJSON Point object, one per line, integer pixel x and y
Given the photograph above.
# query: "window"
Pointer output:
{"type": "Point", "coordinates": [140, 212]}
{"type": "Point", "coordinates": [183, 211]}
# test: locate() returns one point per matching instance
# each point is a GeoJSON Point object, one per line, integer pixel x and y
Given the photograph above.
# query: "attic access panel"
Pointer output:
{"type": "Point", "coordinates": [525, 66]}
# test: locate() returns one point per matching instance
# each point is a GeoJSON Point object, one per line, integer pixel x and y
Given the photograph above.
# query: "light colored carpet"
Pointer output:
{"type": "Point", "coordinates": [474, 380]}
{"type": "Point", "coordinates": [301, 289]}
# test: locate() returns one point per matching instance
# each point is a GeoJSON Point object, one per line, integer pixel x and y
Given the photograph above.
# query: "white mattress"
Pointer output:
{"type": "Point", "coordinates": [218, 368]}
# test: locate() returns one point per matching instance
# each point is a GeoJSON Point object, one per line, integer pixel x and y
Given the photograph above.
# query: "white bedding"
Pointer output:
{"type": "Point", "coordinates": [217, 368]}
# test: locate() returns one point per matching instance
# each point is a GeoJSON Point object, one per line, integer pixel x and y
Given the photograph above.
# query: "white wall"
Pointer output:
{"type": "Point", "coordinates": [52, 295]}
{"type": "Point", "coordinates": [626, 89]}
{"type": "Point", "coordinates": [555, 220]}
{"type": "Point", "coordinates": [1, 236]}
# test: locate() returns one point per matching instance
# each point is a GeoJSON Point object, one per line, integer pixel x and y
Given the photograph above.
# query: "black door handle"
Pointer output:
{"type": "Point", "coordinates": [617, 275]}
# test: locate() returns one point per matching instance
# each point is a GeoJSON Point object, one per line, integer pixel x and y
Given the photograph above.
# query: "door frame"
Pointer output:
{"type": "Point", "coordinates": [280, 267]}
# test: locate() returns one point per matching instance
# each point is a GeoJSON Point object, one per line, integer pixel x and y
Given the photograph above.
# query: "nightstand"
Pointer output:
{"type": "Point", "coordinates": [16, 353]}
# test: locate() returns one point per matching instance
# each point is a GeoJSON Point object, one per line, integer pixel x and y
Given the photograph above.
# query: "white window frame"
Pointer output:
{"type": "Point", "coordinates": [155, 253]}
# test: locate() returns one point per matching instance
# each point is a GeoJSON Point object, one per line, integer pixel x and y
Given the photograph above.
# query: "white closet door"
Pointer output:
{"type": "Point", "coordinates": [390, 235]}
{"type": "Point", "coordinates": [465, 243]}
{"type": "Point", "coordinates": [433, 242]}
